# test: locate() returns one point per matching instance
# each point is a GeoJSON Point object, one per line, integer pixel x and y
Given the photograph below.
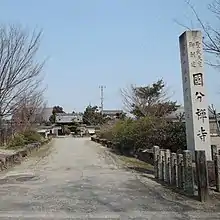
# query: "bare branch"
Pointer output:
{"type": "Point", "coordinates": [182, 25]}
{"type": "Point", "coordinates": [20, 72]}
{"type": "Point", "coordinates": [211, 40]}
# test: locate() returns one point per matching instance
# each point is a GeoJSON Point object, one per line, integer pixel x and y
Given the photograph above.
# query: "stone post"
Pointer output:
{"type": "Point", "coordinates": [217, 172]}
{"type": "Point", "coordinates": [163, 166]}
{"type": "Point", "coordinates": [159, 165]}
{"type": "Point", "coordinates": [180, 170]}
{"type": "Point", "coordinates": [156, 151]}
{"type": "Point", "coordinates": [188, 172]}
{"type": "Point", "coordinates": [173, 169]}
{"type": "Point", "coordinates": [202, 175]}
{"type": "Point", "coordinates": [162, 157]}
{"type": "Point", "coordinates": [167, 166]}
{"type": "Point", "coordinates": [214, 151]}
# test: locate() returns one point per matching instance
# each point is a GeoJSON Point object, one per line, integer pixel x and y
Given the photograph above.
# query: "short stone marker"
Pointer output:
{"type": "Point", "coordinates": [160, 165]}
{"type": "Point", "coordinates": [188, 172]}
{"type": "Point", "coordinates": [217, 172]}
{"type": "Point", "coordinates": [173, 169]}
{"type": "Point", "coordinates": [167, 167]}
{"type": "Point", "coordinates": [180, 170]}
{"type": "Point", "coordinates": [202, 175]}
{"type": "Point", "coordinates": [214, 151]}
{"type": "Point", "coordinates": [156, 151]}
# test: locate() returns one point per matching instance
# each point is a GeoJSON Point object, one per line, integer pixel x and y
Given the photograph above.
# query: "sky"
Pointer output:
{"type": "Point", "coordinates": [114, 43]}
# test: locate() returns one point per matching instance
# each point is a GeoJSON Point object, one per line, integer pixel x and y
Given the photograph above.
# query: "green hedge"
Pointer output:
{"type": "Point", "coordinates": [24, 138]}
{"type": "Point", "coordinates": [132, 135]}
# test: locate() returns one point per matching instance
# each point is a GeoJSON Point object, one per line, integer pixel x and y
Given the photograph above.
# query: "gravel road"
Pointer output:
{"type": "Point", "coordinates": [76, 180]}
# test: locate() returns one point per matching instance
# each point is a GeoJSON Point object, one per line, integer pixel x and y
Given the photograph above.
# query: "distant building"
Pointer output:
{"type": "Point", "coordinates": [49, 130]}
{"type": "Point", "coordinates": [112, 113]}
{"type": "Point", "coordinates": [65, 118]}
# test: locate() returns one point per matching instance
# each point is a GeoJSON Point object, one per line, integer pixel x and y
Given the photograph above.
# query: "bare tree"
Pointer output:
{"type": "Point", "coordinates": [29, 111]}
{"type": "Point", "coordinates": [19, 70]}
{"type": "Point", "coordinates": [211, 39]}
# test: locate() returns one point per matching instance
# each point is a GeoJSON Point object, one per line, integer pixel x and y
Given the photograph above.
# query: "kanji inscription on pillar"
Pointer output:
{"type": "Point", "coordinates": [195, 99]}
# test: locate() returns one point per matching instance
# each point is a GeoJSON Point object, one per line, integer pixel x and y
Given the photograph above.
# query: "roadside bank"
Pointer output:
{"type": "Point", "coordinates": [10, 158]}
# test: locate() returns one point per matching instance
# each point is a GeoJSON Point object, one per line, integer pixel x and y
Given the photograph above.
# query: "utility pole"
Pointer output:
{"type": "Point", "coordinates": [102, 97]}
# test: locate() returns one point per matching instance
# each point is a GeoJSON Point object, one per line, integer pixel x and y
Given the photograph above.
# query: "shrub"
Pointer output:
{"type": "Point", "coordinates": [132, 135]}
{"type": "Point", "coordinates": [175, 137]}
{"type": "Point", "coordinates": [107, 129]}
{"type": "Point", "coordinates": [31, 136]}
{"type": "Point", "coordinates": [17, 141]}
{"type": "Point", "coordinates": [26, 137]}
{"type": "Point", "coordinates": [124, 135]}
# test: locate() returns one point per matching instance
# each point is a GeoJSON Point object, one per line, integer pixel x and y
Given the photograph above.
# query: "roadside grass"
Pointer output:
{"type": "Point", "coordinates": [136, 164]}
{"type": "Point", "coordinates": [44, 150]}
{"type": "Point", "coordinates": [19, 140]}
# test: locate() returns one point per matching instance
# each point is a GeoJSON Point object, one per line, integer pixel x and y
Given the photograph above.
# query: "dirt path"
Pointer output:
{"type": "Point", "coordinates": [77, 181]}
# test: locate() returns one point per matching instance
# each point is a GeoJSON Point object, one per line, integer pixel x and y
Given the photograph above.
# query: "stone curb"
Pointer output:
{"type": "Point", "coordinates": [9, 159]}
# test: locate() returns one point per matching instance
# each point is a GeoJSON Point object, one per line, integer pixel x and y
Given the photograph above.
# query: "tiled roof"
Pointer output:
{"type": "Point", "coordinates": [110, 112]}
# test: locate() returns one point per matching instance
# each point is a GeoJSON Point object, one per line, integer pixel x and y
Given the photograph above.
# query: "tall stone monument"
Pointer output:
{"type": "Point", "coordinates": [195, 100]}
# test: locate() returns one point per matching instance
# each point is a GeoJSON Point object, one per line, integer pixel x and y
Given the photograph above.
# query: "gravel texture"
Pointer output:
{"type": "Point", "coordinates": [77, 179]}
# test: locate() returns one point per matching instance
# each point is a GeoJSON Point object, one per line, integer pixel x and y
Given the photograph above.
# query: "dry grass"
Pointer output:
{"type": "Point", "coordinates": [136, 164]}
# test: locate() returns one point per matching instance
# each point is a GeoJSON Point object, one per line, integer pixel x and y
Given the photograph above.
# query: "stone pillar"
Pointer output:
{"type": "Point", "coordinates": [202, 176]}
{"type": "Point", "coordinates": [180, 170]}
{"type": "Point", "coordinates": [162, 163]}
{"type": "Point", "coordinates": [214, 151]}
{"type": "Point", "coordinates": [217, 171]}
{"type": "Point", "coordinates": [173, 169]}
{"type": "Point", "coordinates": [156, 151]}
{"type": "Point", "coordinates": [167, 167]}
{"type": "Point", "coordinates": [188, 172]}
{"type": "Point", "coordinates": [163, 166]}
{"type": "Point", "coordinates": [195, 97]}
